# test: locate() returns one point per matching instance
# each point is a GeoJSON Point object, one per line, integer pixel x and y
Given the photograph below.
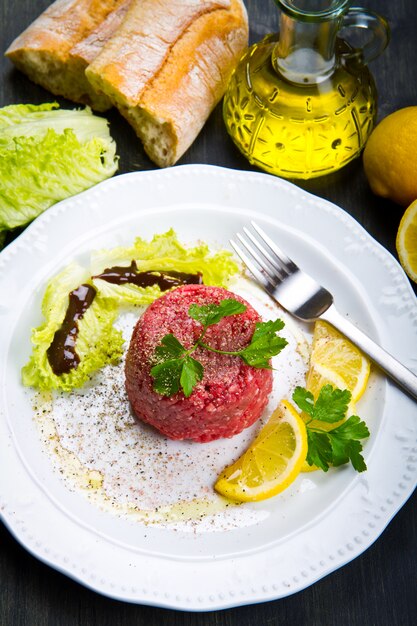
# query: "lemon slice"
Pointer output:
{"type": "Point", "coordinates": [407, 241]}
{"type": "Point", "coordinates": [334, 361]}
{"type": "Point", "coordinates": [271, 463]}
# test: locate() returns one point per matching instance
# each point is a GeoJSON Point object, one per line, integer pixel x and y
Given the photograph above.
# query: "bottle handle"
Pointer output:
{"type": "Point", "coordinates": [357, 17]}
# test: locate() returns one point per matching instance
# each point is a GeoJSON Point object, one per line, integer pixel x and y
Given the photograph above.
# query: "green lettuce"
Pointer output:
{"type": "Point", "coordinates": [48, 154]}
{"type": "Point", "coordinates": [164, 252]}
{"type": "Point", "coordinates": [98, 342]}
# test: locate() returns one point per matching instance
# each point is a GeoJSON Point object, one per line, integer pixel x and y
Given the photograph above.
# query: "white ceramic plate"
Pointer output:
{"type": "Point", "coordinates": [268, 550]}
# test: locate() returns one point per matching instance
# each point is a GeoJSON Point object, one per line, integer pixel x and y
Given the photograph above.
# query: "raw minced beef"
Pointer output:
{"type": "Point", "coordinates": [231, 395]}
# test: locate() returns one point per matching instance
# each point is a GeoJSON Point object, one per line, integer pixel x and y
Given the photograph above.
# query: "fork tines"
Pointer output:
{"type": "Point", "coordinates": [264, 259]}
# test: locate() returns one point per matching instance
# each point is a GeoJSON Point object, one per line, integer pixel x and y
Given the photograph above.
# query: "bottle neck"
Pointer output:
{"type": "Point", "coordinates": [305, 52]}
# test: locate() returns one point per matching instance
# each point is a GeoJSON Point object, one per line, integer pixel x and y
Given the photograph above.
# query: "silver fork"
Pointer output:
{"type": "Point", "coordinates": [302, 296]}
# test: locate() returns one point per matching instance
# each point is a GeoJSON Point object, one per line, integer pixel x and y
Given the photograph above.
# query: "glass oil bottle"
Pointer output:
{"type": "Point", "coordinates": [303, 103]}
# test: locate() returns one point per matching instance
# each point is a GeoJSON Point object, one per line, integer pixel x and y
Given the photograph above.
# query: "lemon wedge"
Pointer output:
{"type": "Point", "coordinates": [271, 463]}
{"type": "Point", "coordinates": [407, 241]}
{"type": "Point", "coordinates": [334, 361]}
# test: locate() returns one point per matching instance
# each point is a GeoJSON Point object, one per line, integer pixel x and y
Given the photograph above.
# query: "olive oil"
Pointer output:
{"type": "Point", "coordinates": [300, 128]}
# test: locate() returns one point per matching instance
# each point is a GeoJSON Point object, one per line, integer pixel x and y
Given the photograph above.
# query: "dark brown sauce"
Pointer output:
{"type": "Point", "coordinates": [61, 353]}
{"type": "Point", "coordinates": [165, 280]}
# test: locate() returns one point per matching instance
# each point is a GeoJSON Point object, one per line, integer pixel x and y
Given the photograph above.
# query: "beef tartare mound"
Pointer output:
{"type": "Point", "coordinates": [230, 397]}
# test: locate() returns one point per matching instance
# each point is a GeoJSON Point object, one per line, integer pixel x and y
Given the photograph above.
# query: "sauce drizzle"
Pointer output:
{"type": "Point", "coordinates": [61, 353]}
{"type": "Point", "coordinates": [165, 280]}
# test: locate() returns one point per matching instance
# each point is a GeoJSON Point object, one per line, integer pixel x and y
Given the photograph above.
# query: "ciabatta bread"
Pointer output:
{"type": "Point", "coordinates": [164, 63]}
{"type": "Point", "coordinates": [167, 66]}
{"type": "Point", "coordinates": [43, 50]}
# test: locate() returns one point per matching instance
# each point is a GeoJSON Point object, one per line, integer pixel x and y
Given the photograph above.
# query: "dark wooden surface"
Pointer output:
{"type": "Point", "coordinates": [377, 588]}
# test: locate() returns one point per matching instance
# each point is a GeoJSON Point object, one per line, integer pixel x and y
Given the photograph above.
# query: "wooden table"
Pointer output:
{"type": "Point", "coordinates": [377, 588]}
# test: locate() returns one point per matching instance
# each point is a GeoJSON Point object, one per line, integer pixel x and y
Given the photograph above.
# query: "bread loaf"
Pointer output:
{"type": "Point", "coordinates": [167, 67]}
{"type": "Point", "coordinates": [163, 63]}
{"type": "Point", "coordinates": [43, 50]}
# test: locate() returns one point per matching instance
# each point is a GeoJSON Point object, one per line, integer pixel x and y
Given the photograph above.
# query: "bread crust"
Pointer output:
{"type": "Point", "coordinates": [168, 99]}
{"type": "Point", "coordinates": [164, 64]}
{"type": "Point", "coordinates": [143, 44]}
{"type": "Point", "coordinates": [42, 51]}
{"type": "Point", "coordinates": [86, 50]}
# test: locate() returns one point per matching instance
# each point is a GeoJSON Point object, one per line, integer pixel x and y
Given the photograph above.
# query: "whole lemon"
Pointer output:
{"type": "Point", "coordinates": [390, 157]}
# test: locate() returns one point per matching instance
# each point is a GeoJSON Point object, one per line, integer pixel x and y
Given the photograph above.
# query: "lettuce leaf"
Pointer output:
{"type": "Point", "coordinates": [48, 154]}
{"type": "Point", "coordinates": [98, 342]}
{"type": "Point", "coordinates": [164, 252]}
{"type": "Point", "coordinates": [31, 120]}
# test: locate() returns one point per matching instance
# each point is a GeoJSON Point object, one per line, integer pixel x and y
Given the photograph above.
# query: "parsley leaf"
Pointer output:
{"type": "Point", "coordinates": [210, 314]}
{"type": "Point", "coordinates": [304, 400]}
{"type": "Point", "coordinates": [265, 344]}
{"type": "Point", "coordinates": [353, 428]}
{"type": "Point", "coordinates": [172, 374]}
{"type": "Point", "coordinates": [267, 328]}
{"type": "Point", "coordinates": [345, 444]}
{"type": "Point", "coordinates": [330, 406]}
{"type": "Point", "coordinates": [167, 376]}
{"type": "Point", "coordinates": [192, 373]}
{"type": "Point", "coordinates": [169, 348]}
{"type": "Point", "coordinates": [339, 445]}
{"type": "Point", "coordinates": [319, 449]}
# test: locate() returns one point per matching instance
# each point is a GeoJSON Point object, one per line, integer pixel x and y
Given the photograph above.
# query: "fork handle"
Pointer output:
{"type": "Point", "coordinates": [393, 368]}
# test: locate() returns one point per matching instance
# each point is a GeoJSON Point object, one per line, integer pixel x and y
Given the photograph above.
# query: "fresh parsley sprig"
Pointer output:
{"type": "Point", "coordinates": [339, 445]}
{"type": "Point", "coordinates": [176, 369]}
